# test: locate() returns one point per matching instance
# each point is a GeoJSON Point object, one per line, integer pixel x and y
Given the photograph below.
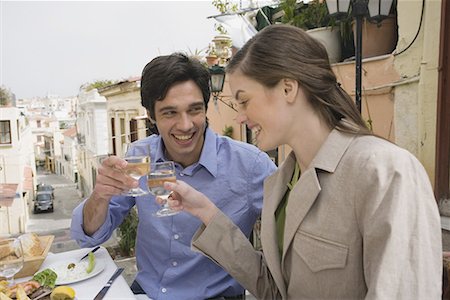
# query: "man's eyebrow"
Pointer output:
{"type": "Point", "coordinates": [200, 103]}
{"type": "Point", "coordinates": [167, 108]}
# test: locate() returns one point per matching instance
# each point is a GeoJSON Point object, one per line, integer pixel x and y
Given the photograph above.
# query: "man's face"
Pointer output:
{"type": "Point", "coordinates": [181, 121]}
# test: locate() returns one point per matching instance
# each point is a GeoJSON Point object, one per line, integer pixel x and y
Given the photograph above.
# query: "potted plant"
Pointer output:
{"type": "Point", "coordinates": [211, 55]}
{"type": "Point", "coordinates": [228, 131]}
{"type": "Point", "coordinates": [379, 37]}
{"type": "Point", "coordinates": [315, 19]}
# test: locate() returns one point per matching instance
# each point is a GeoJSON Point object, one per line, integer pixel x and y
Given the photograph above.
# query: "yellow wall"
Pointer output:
{"type": "Point", "coordinates": [415, 101]}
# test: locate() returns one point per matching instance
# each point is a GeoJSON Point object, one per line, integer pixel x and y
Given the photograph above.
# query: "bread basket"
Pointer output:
{"type": "Point", "coordinates": [32, 264]}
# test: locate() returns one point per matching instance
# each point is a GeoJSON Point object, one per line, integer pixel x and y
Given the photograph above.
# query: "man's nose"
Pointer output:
{"type": "Point", "coordinates": [185, 122]}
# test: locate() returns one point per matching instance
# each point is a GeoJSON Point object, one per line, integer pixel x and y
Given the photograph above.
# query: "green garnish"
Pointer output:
{"type": "Point", "coordinates": [46, 277]}
{"type": "Point", "coordinates": [91, 264]}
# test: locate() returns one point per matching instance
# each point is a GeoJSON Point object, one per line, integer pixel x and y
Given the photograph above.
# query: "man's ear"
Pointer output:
{"type": "Point", "coordinates": [290, 89]}
{"type": "Point", "coordinates": [150, 118]}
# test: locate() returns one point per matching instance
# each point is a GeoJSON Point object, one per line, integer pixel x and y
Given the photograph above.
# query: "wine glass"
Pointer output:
{"type": "Point", "coordinates": [138, 159]}
{"type": "Point", "coordinates": [161, 172]}
{"type": "Point", "coordinates": [11, 258]}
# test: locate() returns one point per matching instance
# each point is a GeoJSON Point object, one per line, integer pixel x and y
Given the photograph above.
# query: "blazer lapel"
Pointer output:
{"type": "Point", "coordinates": [307, 189]}
{"type": "Point", "coordinates": [274, 189]}
{"type": "Point", "coordinates": [301, 198]}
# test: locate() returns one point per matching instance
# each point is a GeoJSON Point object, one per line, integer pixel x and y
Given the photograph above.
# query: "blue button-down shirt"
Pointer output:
{"type": "Point", "coordinates": [231, 174]}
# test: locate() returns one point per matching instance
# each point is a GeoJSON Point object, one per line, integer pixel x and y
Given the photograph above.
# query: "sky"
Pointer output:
{"type": "Point", "coordinates": [53, 47]}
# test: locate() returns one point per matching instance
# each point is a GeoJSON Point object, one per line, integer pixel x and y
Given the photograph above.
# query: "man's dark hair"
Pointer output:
{"type": "Point", "coordinates": [164, 71]}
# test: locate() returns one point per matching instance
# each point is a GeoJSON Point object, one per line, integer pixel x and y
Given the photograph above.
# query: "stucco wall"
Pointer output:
{"type": "Point", "coordinates": [415, 102]}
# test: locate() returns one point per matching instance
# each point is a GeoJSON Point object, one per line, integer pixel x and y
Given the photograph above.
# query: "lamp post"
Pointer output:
{"type": "Point", "coordinates": [217, 80]}
{"type": "Point", "coordinates": [376, 10]}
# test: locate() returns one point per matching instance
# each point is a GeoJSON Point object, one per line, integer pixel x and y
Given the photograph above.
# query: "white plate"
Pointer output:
{"type": "Point", "coordinates": [66, 276]}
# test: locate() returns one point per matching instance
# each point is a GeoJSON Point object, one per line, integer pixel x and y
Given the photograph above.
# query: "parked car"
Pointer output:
{"type": "Point", "coordinates": [43, 188]}
{"type": "Point", "coordinates": [43, 202]}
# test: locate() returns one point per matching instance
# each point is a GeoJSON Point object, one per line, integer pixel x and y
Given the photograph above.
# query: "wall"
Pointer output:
{"type": "Point", "coordinates": [415, 102]}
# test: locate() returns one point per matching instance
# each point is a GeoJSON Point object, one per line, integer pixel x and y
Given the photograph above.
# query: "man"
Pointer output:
{"type": "Point", "coordinates": [175, 91]}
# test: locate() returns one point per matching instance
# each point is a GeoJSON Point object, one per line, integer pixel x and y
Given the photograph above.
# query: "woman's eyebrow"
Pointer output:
{"type": "Point", "coordinates": [236, 96]}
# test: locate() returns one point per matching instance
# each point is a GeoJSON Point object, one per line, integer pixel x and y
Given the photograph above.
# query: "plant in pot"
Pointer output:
{"type": "Point", "coordinates": [228, 131]}
{"type": "Point", "coordinates": [127, 234]}
{"type": "Point", "coordinates": [211, 55]}
{"type": "Point", "coordinates": [379, 36]}
{"type": "Point", "coordinates": [315, 19]}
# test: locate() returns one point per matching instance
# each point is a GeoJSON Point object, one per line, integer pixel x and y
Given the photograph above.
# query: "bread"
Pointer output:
{"type": "Point", "coordinates": [5, 250]}
{"type": "Point", "coordinates": [31, 245]}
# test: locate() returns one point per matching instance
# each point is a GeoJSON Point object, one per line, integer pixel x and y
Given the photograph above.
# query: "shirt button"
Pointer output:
{"type": "Point", "coordinates": [174, 263]}
{"type": "Point", "coordinates": [181, 174]}
{"type": "Point", "coordinates": [163, 290]}
{"type": "Point", "coordinates": [176, 236]}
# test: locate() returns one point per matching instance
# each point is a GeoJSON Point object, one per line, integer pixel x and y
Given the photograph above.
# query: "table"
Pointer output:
{"type": "Point", "coordinates": [87, 289]}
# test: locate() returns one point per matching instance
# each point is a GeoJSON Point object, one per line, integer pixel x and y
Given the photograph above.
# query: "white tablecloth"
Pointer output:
{"type": "Point", "coordinates": [87, 289]}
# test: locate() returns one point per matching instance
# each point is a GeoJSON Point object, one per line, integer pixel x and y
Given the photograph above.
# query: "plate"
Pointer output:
{"type": "Point", "coordinates": [66, 276]}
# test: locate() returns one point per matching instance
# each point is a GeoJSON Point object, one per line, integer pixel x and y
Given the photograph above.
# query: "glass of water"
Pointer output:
{"type": "Point", "coordinates": [161, 172]}
{"type": "Point", "coordinates": [11, 258]}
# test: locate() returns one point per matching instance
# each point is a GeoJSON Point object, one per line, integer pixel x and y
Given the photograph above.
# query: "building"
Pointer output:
{"type": "Point", "coordinates": [67, 162]}
{"type": "Point", "coordinates": [17, 170]}
{"type": "Point", "coordinates": [92, 137]}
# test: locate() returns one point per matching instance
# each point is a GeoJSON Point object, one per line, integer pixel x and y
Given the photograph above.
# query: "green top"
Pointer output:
{"type": "Point", "coordinates": [280, 214]}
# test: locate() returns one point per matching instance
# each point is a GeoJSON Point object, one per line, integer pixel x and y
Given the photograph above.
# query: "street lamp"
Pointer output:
{"type": "Point", "coordinates": [376, 10]}
{"type": "Point", "coordinates": [217, 80]}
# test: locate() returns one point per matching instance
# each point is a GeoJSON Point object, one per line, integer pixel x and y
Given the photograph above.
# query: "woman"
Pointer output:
{"type": "Point", "coordinates": [347, 215]}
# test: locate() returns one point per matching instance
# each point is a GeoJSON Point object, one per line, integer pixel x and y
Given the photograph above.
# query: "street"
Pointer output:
{"type": "Point", "coordinates": [57, 222]}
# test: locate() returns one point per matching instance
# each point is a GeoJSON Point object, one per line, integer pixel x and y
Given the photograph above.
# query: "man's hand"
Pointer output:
{"type": "Point", "coordinates": [111, 181]}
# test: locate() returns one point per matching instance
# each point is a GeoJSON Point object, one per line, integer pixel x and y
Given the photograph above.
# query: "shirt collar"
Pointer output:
{"type": "Point", "coordinates": [208, 156]}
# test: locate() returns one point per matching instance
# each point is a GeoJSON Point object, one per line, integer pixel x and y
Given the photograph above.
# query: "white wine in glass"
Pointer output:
{"type": "Point", "coordinates": [161, 172]}
{"type": "Point", "coordinates": [11, 258]}
{"type": "Point", "coordinates": [138, 166]}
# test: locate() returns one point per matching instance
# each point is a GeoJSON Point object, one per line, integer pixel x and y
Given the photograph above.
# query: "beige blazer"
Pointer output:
{"type": "Point", "coordinates": [361, 222]}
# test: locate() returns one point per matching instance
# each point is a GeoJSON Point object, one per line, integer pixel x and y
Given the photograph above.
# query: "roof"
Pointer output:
{"type": "Point", "coordinates": [71, 132]}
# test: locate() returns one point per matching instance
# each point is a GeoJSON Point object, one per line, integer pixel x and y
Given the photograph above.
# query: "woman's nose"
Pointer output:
{"type": "Point", "coordinates": [240, 118]}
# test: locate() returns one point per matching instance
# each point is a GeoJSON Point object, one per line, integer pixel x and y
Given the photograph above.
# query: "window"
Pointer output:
{"type": "Point", "coordinates": [5, 132]}
{"type": "Point", "coordinates": [133, 130]}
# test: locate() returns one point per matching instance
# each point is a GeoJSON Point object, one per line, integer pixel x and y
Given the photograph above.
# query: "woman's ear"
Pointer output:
{"type": "Point", "coordinates": [290, 89]}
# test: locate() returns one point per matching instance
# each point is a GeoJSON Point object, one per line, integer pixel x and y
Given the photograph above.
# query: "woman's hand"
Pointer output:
{"type": "Point", "coordinates": [184, 197]}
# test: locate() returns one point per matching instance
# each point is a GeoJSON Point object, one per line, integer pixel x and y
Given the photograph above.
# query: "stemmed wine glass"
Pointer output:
{"type": "Point", "coordinates": [11, 259]}
{"type": "Point", "coordinates": [161, 172]}
{"type": "Point", "coordinates": [138, 159]}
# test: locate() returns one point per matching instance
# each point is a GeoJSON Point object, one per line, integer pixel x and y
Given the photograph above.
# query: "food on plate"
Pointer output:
{"type": "Point", "coordinates": [63, 292]}
{"type": "Point", "coordinates": [46, 277]}
{"type": "Point", "coordinates": [4, 297]}
{"type": "Point", "coordinates": [91, 264]}
{"type": "Point", "coordinates": [31, 244]}
{"type": "Point", "coordinates": [71, 266]}
{"type": "Point", "coordinates": [21, 293]}
{"type": "Point", "coordinates": [3, 285]}
{"type": "Point", "coordinates": [20, 289]}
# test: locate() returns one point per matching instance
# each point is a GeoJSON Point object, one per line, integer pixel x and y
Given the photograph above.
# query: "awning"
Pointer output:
{"type": "Point", "coordinates": [7, 194]}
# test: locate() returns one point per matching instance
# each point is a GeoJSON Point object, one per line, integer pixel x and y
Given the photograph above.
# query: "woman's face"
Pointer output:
{"type": "Point", "coordinates": [260, 108]}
